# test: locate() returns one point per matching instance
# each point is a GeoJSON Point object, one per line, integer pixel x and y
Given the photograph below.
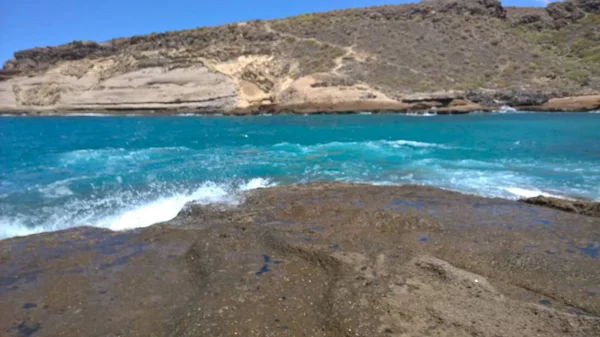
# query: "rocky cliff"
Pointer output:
{"type": "Point", "coordinates": [450, 56]}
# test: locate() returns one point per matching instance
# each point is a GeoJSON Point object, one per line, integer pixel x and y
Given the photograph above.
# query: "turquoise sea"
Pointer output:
{"type": "Point", "coordinates": [127, 172]}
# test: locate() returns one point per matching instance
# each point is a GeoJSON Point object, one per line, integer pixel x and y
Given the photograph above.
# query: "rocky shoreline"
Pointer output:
{"type": "Point", "coordinates": [323, 259]}
{"type": "Point", "coordinates": [426, 105]}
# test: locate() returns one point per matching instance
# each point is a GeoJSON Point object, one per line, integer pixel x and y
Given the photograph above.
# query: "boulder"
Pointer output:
{"type": "Point", "coordinates": [511, 97]}
{"type": "Point", "coordinates": [564, 13]}
{"type": "Point", "coordinates": [522, 98]}
{"type": "Point", "coordinates": [590, 6]}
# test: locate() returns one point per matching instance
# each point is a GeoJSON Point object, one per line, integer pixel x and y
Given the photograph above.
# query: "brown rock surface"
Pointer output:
{"type": "Point", "coordinates": [584, 207]}
{"type": "Point", "coordinates": [582, 103]}
{"type": "Point", "coordinates": [314, 260]}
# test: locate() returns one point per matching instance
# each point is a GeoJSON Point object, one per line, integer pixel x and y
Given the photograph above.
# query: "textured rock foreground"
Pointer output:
{"type": "Point", "coordinates": [451, 56]}
{"type": "Point", "coordinates": [315, 260]}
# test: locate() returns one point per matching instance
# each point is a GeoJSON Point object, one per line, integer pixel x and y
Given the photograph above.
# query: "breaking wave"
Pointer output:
{"type": "Point", "coordinates": [124, 210]}
{"type": "Point", "coordinates": [122, 173]}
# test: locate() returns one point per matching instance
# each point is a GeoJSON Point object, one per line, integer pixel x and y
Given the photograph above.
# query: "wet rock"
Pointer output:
{"type": "Point", "coordinates": [590, 208]}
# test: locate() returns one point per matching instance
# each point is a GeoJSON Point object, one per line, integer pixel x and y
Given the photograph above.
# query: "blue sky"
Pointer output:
{"type": "Point", "coordinates": [30, 23]}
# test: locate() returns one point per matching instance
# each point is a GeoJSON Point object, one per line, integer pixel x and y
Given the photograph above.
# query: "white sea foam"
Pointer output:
{"type": "Point", "coordinates": [56, 191]}
{"type": "Point", "coordinates": [59, 188]}
{"type": "Point", "coordinates": [164, 209]}
{"type": "Point", "coordinates": [412, 143]}
{"type": "Point", "coordinates": [114, 155]}
{"type": "Point", "coordinates": [530, 193]}
{"type": "Point", "coordinates": [89, 114]}
{"type": "Point", "coordinates": [122, 215]}
{"type": "Point", "coordinates": [13, 227]}
{"type": "Point", "coordinates": [507, 109]}
{"type": "Point", "coordinates": [255, 183]}
{"type": "Point", "coordinates": [421, 114]}
{"type": "Point", "coordinates": [371, 144]}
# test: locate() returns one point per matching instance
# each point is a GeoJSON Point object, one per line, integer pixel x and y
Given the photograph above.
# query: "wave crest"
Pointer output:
{"type": "Point", "coordinates": [126, 211]}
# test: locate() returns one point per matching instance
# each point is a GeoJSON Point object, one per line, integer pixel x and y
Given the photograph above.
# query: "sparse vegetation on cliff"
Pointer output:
{"type": "Point", "coordinates": [397, 49]}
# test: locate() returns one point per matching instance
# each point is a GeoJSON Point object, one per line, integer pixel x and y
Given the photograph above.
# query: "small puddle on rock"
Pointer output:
{"type": "Point", "coordinates": [395, 204]}
{"type": "Point", "coordinates": [262, 270]}
{"type": "Point", "coordinates": [26, 330]}
{"type": "Point", "coordinates": [590, 249]}
{"type": "Point", "coordinates": [265, 268]}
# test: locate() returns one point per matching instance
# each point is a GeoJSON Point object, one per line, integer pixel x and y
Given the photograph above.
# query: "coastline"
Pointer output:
{"type": "Point", "coordinates": [584, 103]}
{"type": "Point", "coordinates": [564, 204]}
{"type": "Point", "coordinates": [321, 258]}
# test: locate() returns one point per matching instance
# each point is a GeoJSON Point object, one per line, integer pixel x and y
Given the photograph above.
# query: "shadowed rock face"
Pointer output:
{"type": "Point", "coordinates": [314, 260]}
{"type": "Point", "coordinates": [591, 6]}
{"type": "Point", "coordinates": [584, 207]}
{"type": "Point", "coordinates": [373, 59]}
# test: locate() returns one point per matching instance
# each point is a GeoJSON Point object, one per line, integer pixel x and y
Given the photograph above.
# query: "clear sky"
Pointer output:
{"type": "Point", "coordinates": [29, 23]}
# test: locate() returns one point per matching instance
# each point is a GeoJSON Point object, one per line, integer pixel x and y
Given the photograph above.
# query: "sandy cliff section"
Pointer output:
{"type": "Point", "coordinates": [7, 97]}
{"type": "Point", "coordinates": [247, 84]}
{"type": "Point", "coordinates": [256, 77]}
{"type": "Point", "coordinates": [565, 104]}
{"type": "Point", "coordinates": [325, 92]}
{"type": "Point", "coordinates": [244, 85]}
{"type": "Point", "coordinates": [87, 86]}
{"type": "Point", "coordinates": [589, 102]}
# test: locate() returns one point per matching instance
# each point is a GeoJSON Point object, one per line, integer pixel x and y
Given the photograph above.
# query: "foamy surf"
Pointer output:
{"type": "Point", "coordinates": [370, 144]}
{"type": "Point", "coordinates": [136, 215]}
{"type": "Point", "coordinates": [421, 114]}
{"type": "Point", "coordinates": [507, 109]}
{"type": "Point", "coordinates": [90, 114]}
{"type": "Point", "coordinates": [531, 193]}
{"type": "Point", "coordinates": [412, 143]}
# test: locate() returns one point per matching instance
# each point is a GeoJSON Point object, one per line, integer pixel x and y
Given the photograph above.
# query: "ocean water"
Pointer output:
{"type": "Point", "coordinates": [127, 172]}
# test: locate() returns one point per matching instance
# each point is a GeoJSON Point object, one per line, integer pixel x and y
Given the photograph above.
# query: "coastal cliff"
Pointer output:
{"type": "Point", "coordinates": [447, 56]}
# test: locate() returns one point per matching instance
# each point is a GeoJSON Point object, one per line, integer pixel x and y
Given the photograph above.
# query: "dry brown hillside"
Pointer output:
{"type": "Point", "coordinates": [456, 54]}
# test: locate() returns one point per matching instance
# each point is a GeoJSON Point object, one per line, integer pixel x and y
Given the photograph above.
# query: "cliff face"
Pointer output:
{"type": "Point", "coordinates": [449, 55]}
